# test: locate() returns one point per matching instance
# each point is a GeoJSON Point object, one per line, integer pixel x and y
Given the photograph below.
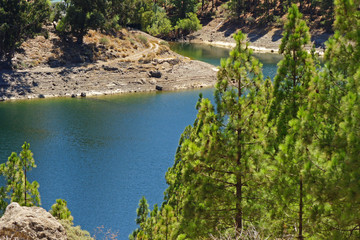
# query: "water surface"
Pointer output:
{"type": "Point", "coordinates": [102, 154]}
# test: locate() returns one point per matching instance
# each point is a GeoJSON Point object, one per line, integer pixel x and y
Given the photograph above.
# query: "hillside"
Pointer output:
{"type": "Point", "coordinates": [129, 61]}
{"type": "Point", "coordinates": [263, 35]}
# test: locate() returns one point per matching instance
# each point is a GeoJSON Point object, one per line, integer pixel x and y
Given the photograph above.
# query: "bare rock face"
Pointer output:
{"type": "Point", "coordinates": [29, 223]}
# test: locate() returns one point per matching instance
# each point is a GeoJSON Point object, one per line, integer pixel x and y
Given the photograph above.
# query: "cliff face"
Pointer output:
{"type": "Point", "coordinates": [29, 223]}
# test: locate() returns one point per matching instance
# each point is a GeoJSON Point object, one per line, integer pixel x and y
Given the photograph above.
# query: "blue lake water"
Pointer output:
{"type": "Point", "coordinates": [102, 154]}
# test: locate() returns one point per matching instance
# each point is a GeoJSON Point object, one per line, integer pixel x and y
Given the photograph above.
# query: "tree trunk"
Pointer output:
{"type": "Point", "coordinates": [25, 185]}
{"type": "Point", "coordinates": [238, 217]}
{"type": "Point", "coordinates": [300, 237]}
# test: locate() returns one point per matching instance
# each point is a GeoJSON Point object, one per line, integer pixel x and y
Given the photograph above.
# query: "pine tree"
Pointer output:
{"type": "Point", "coordinates": [142, 214]}
{"type": "Point", "coordinates": [335, 104]}
{"type": "Point", "coordinates": [18, 188]}
{"type": "Point", "coordinates": [81, 16]}
{"type": "Point", "coordinates": [216, 177]}
{"type": "Point", "coordinates": [294, 175]}
{"type": "Point", "coordinates": [61, 211]}
{"type": "Point", "coordinates": [19, 20]}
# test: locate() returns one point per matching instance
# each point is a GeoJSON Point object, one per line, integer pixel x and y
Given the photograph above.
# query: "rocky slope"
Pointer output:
{"type": "Point", "coordinates": [130, 61]}
{"type": "Point", "coordinates": [219, 31]}
{"type": "Point", "coordinates": [30, 223]}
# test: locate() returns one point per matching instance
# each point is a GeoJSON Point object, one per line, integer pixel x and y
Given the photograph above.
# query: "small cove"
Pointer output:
{"type": "Point", "coordinates": [102, 154]}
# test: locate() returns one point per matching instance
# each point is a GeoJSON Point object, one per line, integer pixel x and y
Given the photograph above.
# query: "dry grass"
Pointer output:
{"type": "Point", "coordinates": [97, 46]}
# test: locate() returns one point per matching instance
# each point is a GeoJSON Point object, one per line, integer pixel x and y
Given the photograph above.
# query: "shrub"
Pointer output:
{"type": "Point", "coordinates": [188, 25]}
{"type": "Point", "coordinates": [164, 43]}
{"type": "Point", "coordinates": [143, 40]}
{"type": "Point", "coordinates": [104, 41]}
{"type": "Point", "coordinates": [156, 22]}
{"type": "Point", "coordinates": [75, 233]}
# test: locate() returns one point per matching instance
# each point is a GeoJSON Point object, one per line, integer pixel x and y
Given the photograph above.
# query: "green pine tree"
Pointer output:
{"type": "Point", "coordinates": [214, 184]}
{"type": "Point", "coordinates": [335, 105]}
{"type": "Point", "coordinates": [19, 20]}
{"type": "Point", "coordinates": [18, 188]}
{"type": "Point", "coordinates": [61, 211]}
{"type": "Point", "coordinates": [293, 177]}
{"type": "Point", "coordinates": [80, 17]}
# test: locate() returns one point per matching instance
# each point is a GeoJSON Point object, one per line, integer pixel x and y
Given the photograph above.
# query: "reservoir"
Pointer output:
{"type": "Point", "coordinates": [103, 154]}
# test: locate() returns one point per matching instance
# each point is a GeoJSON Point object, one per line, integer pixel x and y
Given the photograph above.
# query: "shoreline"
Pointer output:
{"type": "Point", "coordinates": [218, 32]}
{"type": "Point", "coordinates": [107, 79]}
{"type": "Point", "coordinates": [256, 49]}
{"type": "Point", "coordinates": [148, 67]}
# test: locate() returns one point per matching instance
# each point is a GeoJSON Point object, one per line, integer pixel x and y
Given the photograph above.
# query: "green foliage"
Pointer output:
{"type": "Point", "coordinates": [281, 159]}
{"type": "Point", "coordinates": [80, 17]}
{"type": "Point", "coordinates": [61, 211]}
{"type": "Point", "coordinates": [18, 188]}
{"type": "Point", "coordinates": [143, 40]}
{"type": "Point", "coordinates": [294, 173]}
{"type": "Point", "coordinates": [184, 7]}
{"type": "Point", "coordinates": [335, 104]}
{"type": "Point", "coordinates": [189, 24]}
{"type": "Point", "coordinates": [214, 182]}
{"type": "Point", "coordinates": [104, 41]}
{"type": "Point", "coordinates": [156, 22]}
{"type": "Point", "coordinates": [20, 20]}
{"type": "Point", "coordinates": [294, 72]}
{"type": "Point", "coordinates": [75, 232]}
{"type": "Point", "coordinates": [161, 224]}
{"type": "Point", "coordinates": [143, 211]}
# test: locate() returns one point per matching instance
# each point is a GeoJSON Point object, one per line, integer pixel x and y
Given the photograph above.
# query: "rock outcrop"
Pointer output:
{"type": "Point", "coordinates": [29, 223]}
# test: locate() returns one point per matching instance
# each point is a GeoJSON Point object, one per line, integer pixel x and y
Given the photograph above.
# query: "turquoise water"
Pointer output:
{"type": "Point", "coordinates": [212, 55]}
{"type": "Point", "coordinates": [101, 154]}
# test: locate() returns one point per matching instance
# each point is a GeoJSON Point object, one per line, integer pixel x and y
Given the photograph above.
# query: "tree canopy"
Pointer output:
{"type": "Point", "coordinates": [19, 20]}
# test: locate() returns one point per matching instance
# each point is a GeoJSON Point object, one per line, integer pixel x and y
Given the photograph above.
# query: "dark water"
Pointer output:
{"type": "Point", "coordinates": [102, 154]}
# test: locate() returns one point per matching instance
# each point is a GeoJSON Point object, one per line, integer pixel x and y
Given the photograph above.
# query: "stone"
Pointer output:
{"type": "Point", "coordinates": [107, 68]}
{"type": "Point", "coordinates": [159, 88]}
{"type": "Point", "coordinates": [29, 223]}
{"type": "Point", "coordinates": [155, 74]}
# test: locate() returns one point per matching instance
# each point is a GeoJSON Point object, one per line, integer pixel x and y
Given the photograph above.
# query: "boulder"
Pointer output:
{"type": "Point", "coordinates": [155, 74]}
{"type": "Point", "coordinates": [29, 223]}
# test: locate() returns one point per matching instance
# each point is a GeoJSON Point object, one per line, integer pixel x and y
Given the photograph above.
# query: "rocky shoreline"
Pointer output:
{"type": "Point", "coordinates": [218, 32]}
{"type": "Point", "coordinates": [106, 79]}
{"type": "Point", "coordinates": [139, 71]}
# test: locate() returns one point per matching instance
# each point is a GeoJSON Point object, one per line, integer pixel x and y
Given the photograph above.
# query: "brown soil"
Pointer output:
{"type": "Point", "coordinates": [132, 61]}
{"type": "Point", "coordinates": [220, 30]}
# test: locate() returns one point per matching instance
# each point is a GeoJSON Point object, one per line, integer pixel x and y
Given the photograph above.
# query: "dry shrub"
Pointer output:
{"type": "Point", "coordinates": [245, 234]}
{"type": "Point", "coordinates": [103, 234]}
